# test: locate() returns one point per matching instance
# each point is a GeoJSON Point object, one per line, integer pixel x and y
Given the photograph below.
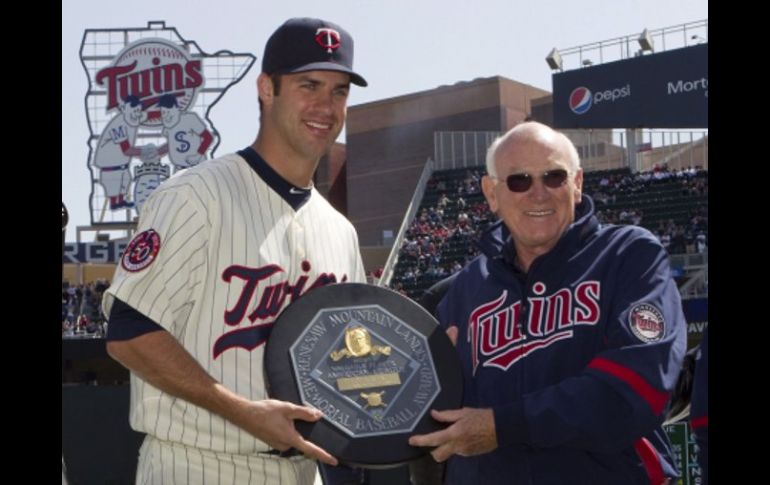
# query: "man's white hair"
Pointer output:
{"type": "Point", "coordinates": [536, 131]}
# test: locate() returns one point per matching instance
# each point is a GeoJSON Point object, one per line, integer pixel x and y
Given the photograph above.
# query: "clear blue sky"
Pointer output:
{"type": "Point", "coordinates": [401, 47]}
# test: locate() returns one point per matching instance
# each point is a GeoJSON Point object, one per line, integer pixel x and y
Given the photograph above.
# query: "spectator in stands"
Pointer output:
{"type": "Point", "coordinates": [82, 324]}
{"type": "Point", "coordinates": [571, 334]}
{"type": "Point", "coordinates": [700, 243]}
{"type": "Point", "coordinates": [665, 240]}
{"type": "Point", "coordinates": [66, 328]}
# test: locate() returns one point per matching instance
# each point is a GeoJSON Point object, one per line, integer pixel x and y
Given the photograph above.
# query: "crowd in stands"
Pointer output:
{"type": "Point", "coordinates": [441, 238]}
{"type": "Point", "coordinates": [81, 309]}
{"type": "Point", "coordinates": [679, 237]}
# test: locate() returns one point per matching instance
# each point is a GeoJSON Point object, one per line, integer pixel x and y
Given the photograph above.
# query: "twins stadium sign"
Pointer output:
{"type": "Point", "coordinates": [149, 69]}
{"type": "Point", "coordinates": [146, 115]}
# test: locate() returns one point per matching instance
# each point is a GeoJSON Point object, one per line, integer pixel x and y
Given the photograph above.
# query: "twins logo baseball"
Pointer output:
{"type": "Point", "coordinates": [647, 322]}
{"type": "Point", "coordinates": [148, 69]}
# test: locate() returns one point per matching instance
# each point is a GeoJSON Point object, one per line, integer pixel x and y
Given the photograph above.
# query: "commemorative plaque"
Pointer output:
{"type": "Point", "coordinates": [373, 361]}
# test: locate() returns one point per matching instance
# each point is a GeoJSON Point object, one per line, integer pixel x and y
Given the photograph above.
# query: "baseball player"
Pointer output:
{"type": "Point", "coordinates": [571, 334]}
{"type": "Point", "coordinates": [220, 250]}
{"type": "Point", "coordinates": [188, 138]}
{"type": "Point", "coordinates": [115, 149]}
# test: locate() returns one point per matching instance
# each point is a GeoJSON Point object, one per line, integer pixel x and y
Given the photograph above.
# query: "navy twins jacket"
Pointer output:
{"type": "Point", "coordinates": [577, 358]}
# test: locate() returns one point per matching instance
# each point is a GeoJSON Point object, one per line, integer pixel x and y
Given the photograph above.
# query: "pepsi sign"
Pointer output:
{"type": "Point", "coordinates": [664, 90]}
{"type": "Point", "coordinates": [581, 99]}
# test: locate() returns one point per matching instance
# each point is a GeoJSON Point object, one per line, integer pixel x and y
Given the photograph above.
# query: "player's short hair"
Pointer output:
{"type": "Point", "coordinates": [132, 100]}
{"type": "Point", "coordinates": [276, 79]}
{"type": "Point", "coordinates": [168, 101]}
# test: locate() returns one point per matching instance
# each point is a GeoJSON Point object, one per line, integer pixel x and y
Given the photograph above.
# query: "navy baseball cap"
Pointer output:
{"type": "Point", "coordinates": [307, 44]}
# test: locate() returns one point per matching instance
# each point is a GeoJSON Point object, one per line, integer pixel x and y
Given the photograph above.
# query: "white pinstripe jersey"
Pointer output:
{"type": "Point", "coordinates": [165, 462]}
{"type": "Point", "coordinates": [233, 253]}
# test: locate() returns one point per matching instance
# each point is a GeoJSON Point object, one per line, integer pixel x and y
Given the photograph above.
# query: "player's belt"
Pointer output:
{"type": "Point", "coordinates": [283, 454]}
{"type": "Point", "coordinates": [115, 169]}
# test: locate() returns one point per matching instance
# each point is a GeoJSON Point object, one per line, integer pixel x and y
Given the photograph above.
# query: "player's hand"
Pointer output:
{"type": "Point", "coordinates": [452, 334]}
{"type": "Point", "coordinates": [472, 432]}
{"type": "Point", "coordinates": [273, 423]}
{"type": "Point", "coordinates": [149, 153]}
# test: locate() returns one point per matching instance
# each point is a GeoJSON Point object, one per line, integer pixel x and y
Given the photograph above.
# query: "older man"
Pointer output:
{"type": "Point", "coordinates": [571, 334]}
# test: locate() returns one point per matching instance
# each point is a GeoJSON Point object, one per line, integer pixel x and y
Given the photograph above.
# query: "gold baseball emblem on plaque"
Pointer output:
{"type": "Point", "coordinates": [358, 343]}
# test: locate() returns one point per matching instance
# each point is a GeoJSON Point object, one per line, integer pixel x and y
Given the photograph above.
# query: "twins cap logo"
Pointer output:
{"type": "Point", "coordinates": [148, 69]}
{"type": "Point", "coordinates": [580, 100]}
{"type": "Point", "coordinates": [328, 38]}
{"type": "Point", "coordinates": [647, 322]}
{"type": "Point", "coordinates": [141, 251]}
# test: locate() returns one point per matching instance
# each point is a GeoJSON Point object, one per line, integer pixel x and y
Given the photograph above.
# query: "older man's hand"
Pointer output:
{"type": "Point", "coordinates": [472, 432]}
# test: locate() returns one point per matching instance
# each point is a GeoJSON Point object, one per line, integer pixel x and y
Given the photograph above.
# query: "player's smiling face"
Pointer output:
{"type": "Point", "coordinates": [170, 116]}
{"type": "Point", "coordinates": [309, 111]}
{"type": "Point", "coordinates": [133, 114]}
{"type": "Point", "coordinates": [539, 216]}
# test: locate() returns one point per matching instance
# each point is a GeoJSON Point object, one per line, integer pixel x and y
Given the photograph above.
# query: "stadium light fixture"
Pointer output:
{"type": "Point", "coordinates": [554, 59]}
{"type": "Point", "coordinates": [645, 41]}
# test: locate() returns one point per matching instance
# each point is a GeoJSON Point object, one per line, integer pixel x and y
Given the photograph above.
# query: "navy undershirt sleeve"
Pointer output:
{"type": "Point", "coordinates": [125, 322]}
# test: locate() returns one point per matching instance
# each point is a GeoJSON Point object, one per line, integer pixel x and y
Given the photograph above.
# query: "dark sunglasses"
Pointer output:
{"type": "Point", "coordinates": [521, 182]}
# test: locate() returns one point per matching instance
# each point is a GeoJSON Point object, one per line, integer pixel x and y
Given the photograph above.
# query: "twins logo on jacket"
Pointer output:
{"type": "Point", "coordinates": [499, 337]}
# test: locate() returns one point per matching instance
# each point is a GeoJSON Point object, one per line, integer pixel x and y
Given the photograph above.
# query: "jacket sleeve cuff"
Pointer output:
{"type": "Point", "coordinates": [510, 424]}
